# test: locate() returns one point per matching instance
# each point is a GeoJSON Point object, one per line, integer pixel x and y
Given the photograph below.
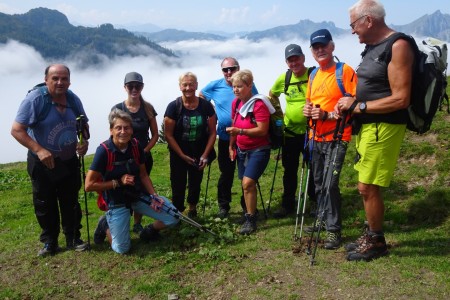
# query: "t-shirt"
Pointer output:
{"type": "Point", "coordinates": [140, 123]}
{"type": "Point", "coordinates": [58, 131]}
{"type": "Point", "coordinates": [294, 120]}
{"type": "Point", "coordinates": [191, 128]}
{"type": "Point", "coordinates": [99, 163]}
{"type": "Point", "coordinates": [261, 114]}
{"type": "Point", "coordinates": [325, 91]}
{"type": "Point", "coordinates": [222, 94]}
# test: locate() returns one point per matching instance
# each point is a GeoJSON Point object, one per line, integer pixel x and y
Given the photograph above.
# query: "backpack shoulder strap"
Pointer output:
{"type": "Point", "coordinates": [179, 107]}
{"type": "Point", "coordinates": [135, 150]}
{"type": "Point", "coordinates": [339, 72]}
{"type": "Point", "coordinates": [287, 80]}
{"type": "Point", "coordinates": [110, 156]}
{"type": "Point", "coordinates": [386, 55]}
{"type": "Point", "coordinates": [312, 76]}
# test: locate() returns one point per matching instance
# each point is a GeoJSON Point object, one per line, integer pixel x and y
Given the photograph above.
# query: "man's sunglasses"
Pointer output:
{"type": "Point", "coordinates": [137, 86]}
{"type": "Point", "coordinates": [229, 69]}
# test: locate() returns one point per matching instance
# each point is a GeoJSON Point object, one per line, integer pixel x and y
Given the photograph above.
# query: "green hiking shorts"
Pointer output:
{"type": "Point", "coordinates": [378, 145]}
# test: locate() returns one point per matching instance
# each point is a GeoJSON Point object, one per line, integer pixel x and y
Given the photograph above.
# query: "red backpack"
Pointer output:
{"type": "Point", "coordinates": [101, 203]}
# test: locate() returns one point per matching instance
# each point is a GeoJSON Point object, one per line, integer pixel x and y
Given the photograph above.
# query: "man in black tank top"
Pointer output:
{"type": "Point", "coordinates": [383, 94]}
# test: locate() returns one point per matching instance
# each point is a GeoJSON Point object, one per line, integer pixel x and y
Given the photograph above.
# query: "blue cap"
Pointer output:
{"type": "Point", "coordinates": [322, 36]}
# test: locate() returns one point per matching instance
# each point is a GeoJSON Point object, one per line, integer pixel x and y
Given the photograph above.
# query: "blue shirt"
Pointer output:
{"type": "Point", "coordinates": [57, 132]}
{"type": "Point", "coordinates": [222, 95]}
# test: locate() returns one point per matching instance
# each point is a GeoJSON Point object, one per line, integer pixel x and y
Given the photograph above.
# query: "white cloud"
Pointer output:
{"type": "Point", "coordinates": [271, 13]}
{"type": "Point", "coordinates": [101, 87]}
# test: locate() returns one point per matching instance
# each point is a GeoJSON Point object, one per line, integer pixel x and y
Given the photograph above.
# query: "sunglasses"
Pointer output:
{"type": "Point", "coordinates": [229, 69]}
{"type": "Point", "coordinates": [137, 86]}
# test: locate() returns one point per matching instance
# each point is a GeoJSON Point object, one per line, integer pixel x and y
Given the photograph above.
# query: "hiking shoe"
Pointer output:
{"type": "Point", "coordinates": [374, 247]}
{"type": "Point", "coordinates": [282, 213]}
{"type": "Point", "coordinates": [242, 219]}
{"type": "Point", "coordinates": [333, 240]}
{"type": "Point", "coordinates": [359, 241]}
{"type": "Point", "coordinates": [100, 231]}
{"type": "Point", "coordinates": [76, 244]}
{"type": "Point", "coordinates": [223, 213]}
{"type": "Point", "coordinates": [137, 228]}
{"type": "Point", "coordinates": [249, 225]}
{"type": "Point", "coordinates": [149, 234]}
{"type": "Point", "coordinates": [49, 249]}
{"type": "Point", "coordinates": [192, 213]}
{"type": "Point", "coordinates": [314, 227]}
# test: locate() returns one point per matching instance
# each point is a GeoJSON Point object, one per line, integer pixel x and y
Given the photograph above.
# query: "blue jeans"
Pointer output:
{"type": "Point", "coordinates": [327, 161]}
{"type": "Point", "coordinates": [119, 222]}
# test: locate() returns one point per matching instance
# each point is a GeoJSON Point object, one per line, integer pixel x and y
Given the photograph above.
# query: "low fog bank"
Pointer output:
{"type": "Point", "coordinates": [100, 87]}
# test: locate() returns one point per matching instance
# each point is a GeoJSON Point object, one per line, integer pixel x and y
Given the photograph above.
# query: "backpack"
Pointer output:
{"type": "Point", "coordinates": [101, 203]}
{"type": "Point", "coordinates": [428, 89]}
{"type": "Point", "coordinates": [287, 80]}
{"type": "Point", "coordinates": [276, 124]}
{"type": "Point", "coordinates": [70, 97]}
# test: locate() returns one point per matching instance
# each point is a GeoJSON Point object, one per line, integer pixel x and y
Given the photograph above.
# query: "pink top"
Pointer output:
{"type": "Point", "coordinates": [261, 114]}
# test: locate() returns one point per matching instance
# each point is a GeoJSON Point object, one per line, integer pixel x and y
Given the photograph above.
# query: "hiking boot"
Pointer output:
{"type": "Point", "coordinates": [315, 227]}
{"type": "Point", "coordinates": [49, 249]}
{"type": "Point", "coordinates": [362, 239]}
{"type": "Point", "coordinates": [374, 247]}
{"type": "Point", "coordinates": [249, 225]}
{"type": "Point", "coordinates": [137, 228]}
{"type": "Point", "coordinates": [149, 234]}
{"type": "Point", "coordinates": [282, 213]}
{"type": "Point", "coordinates": [100, 231]}
{"type": "Point", "coordinates": [192, 213]}
{"type": "Point", "coordinates": [333, 240]}
{"type": "Point", "coordinates": [223, 213]}
{"type": "Point", "coordinates": [242, 219]}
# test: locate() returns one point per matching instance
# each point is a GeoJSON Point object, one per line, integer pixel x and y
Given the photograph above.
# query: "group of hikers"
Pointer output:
{"type": "Point", "coordinates": [53, 125]}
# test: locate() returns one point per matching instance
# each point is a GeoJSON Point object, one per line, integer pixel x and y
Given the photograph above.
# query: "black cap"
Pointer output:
{"type": "Point", "coordinates": [133, 77]}
{"type": "Point", "coordinates": [322, 36]}
{"type": "Point", "coordinates": [292, 50]}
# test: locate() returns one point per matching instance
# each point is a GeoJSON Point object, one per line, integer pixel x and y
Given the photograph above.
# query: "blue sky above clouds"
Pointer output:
{"type": "Point", "coordinates": [228, 16]}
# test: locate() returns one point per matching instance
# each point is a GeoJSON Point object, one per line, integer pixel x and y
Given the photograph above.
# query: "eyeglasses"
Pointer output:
{"type": "Point", "coordinates": [137, 86]}
{"type": "Point", "coordinates": [229, 69]}
{"type": "Point", "coordinates": [352, 25]}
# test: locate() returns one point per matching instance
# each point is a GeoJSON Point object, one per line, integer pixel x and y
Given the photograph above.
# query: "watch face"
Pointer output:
{"type": "Point", "coordinates": [362, 106]}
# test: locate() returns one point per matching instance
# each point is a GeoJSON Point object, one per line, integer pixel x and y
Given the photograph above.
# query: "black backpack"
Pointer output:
{"type": "Point", "coordinates": [428, 90]}
{"type": "Point", "coordinates": [287, 80]}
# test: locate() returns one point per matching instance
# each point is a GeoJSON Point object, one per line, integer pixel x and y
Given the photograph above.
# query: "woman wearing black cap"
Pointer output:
{"type": "Point", "coordinates": [144, 118]}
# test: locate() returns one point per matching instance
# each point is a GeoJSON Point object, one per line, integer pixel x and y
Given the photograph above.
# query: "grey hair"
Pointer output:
{"type": "Point", "coordinates": [187, 74]}
{"type": "Point", "coordinates": [244, 76]}
{"type": "Point", "coordinates": [372, 8]}
{"type": "Point", "coordinates": [236, 63]}
{"type": "Point", "coordinates": [118, 114]}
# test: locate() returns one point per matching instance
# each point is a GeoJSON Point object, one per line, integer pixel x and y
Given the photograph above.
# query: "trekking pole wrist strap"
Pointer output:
{"type": "Point", "coordinates": [352, 107]}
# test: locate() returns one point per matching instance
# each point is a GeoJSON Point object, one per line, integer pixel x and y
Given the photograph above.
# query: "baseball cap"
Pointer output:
{"type": "Point", "coordinates": [292, 50]}
{"type": "Point", "coordinates": [133, 76]}
{"type": "Point", "coordinates": [322, 36]}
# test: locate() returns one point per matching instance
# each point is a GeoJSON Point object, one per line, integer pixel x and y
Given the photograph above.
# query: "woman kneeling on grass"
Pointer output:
{"type": "Point", "coordinates": [123, 183]}
{"type": "Point", "coordinates": [250, 133]}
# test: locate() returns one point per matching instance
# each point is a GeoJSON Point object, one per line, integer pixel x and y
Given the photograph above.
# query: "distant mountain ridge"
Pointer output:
{"type": "Point", "coordinates": [50, 33]}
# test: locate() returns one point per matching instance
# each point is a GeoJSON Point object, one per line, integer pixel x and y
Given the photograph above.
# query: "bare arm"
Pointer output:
{"type": "Point", "coordinates": [155, 135]}
{"type": "Point", "coordinates": [212, 121]}
{"type": "Point", "coordinates": [19, 132]}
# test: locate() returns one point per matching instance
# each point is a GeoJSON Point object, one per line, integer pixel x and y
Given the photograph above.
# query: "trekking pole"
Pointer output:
{"type": "Point", "coordinates": [83, 132]}
{"type": "Point", "coordinates": [206, 192]}
{"type": "Point", "coordinates": [300, 189]}
{"type": "Point", "coordinates": [174, 212]}
{"type": "Point", "coordinates": [273, 180]}
{"type": "Point", "coordinates": [337, 138]}
{"type": "Point", "coordinates": [262, 201]}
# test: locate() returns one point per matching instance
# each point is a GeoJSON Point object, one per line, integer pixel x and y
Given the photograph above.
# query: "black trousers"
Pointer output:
{"type": "Point", "coordinates": [181, 174]}
{"type": "Point", "coordinates": [227, 168]}
{"type": "Point", "coordinates": [54, 192]}
{"type": "Point", "coordinates": [292, 151]}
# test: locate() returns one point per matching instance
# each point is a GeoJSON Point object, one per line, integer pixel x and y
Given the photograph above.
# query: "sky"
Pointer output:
{"type": "Point", "coordinates": [227, 16]}
{"type": "Point", "coordinates": [100, 88]}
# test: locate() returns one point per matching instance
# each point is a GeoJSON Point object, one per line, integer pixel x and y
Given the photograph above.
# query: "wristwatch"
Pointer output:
{"type": "Point", "coordinates": [362, 107]}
